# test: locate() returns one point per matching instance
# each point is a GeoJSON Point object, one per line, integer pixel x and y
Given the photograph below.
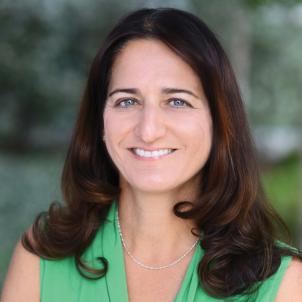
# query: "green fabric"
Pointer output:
{"type": "Point", "coordinates": [61, 282]}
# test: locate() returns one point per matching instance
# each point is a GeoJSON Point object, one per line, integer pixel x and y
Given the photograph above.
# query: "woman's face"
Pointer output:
{"type": "Point", "coordinates": [156, 102]}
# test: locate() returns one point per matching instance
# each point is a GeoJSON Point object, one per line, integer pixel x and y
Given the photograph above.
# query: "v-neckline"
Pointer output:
{"type": "Point", "coordinates": [116, 275]}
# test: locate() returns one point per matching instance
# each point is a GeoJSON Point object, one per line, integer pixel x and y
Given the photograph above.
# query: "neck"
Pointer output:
{"type": "Point", "coordinates": [150, 229]}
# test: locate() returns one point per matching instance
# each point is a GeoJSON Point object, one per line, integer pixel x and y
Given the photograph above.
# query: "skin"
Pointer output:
{"type": "Point", "coordinates": [149, 189]}
{"type": "Point", "coordinates": [152, 119]}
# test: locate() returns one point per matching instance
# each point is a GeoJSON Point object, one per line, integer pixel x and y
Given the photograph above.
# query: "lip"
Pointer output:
{"type": "Point", "coordinates": [150, 158]}
{"type": "Point", "coordinates": [153, 149]}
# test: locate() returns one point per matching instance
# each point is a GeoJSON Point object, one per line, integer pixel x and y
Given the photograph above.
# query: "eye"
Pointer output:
{"type": "Point", "coordinates": [125, 103]}
{"type": "Point", "coordinates": [180, 103]}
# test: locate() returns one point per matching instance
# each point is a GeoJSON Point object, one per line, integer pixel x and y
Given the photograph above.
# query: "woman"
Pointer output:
{"type": "Point", "coordinates": [163, 198]}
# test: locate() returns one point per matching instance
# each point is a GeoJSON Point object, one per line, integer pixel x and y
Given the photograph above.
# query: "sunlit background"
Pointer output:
{"type": "Point", "coordinates": [46, 48]}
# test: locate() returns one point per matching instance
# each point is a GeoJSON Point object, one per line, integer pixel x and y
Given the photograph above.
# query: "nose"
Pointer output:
{"type": "Point", "coordinates": [151, 124]}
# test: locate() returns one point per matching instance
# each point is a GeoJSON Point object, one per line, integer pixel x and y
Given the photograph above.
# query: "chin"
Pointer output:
{"type": "Point", "coordinates": [153, 187]}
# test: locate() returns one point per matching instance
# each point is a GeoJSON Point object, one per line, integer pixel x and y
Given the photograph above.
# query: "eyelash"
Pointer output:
{"type": "Point", "coordinates": [173, 99]}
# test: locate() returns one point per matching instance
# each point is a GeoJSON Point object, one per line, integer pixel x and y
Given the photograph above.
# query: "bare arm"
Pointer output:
{"type": "Point", "coordinates": [291, 285]}
{"type": "Point", "coordinates": [22, 281]}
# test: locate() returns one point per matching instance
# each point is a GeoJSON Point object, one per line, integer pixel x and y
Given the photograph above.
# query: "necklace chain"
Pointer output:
{"type": "Point", "coordinates": [148, 266]}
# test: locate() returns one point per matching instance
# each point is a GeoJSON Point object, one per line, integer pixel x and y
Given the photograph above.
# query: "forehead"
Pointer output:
{"type": "Point", "coordinates": [150, 61]}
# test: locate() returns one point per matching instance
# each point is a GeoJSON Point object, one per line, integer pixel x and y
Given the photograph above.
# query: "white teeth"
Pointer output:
{"type": "Point", "coordinates": [157, 153]}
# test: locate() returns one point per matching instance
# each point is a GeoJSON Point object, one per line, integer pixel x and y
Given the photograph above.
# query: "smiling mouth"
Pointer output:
{"type": "Point", "coordinates": [149, 156]}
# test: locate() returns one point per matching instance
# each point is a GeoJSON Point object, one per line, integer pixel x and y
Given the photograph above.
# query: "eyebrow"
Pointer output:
{"type": "Point", "coordinates": [165, 90]}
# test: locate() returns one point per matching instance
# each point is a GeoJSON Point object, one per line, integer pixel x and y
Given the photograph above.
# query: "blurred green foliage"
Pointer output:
{"type": "Point", "coordinates": [45, 54]}
{"type": "Point", "coordinates": [276, 75]}
{"type": "Point", "coordinates": [45, 60]}
{"type": "Point", "coordinates": [28, 184]}
{"type": "Point", "coordinates": [282, 185]}
{"type": "Point", "coordinates": [257, 3]}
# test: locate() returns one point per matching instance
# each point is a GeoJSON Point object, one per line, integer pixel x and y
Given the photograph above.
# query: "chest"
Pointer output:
{"type": "Point", "coordinates": [154, 285]}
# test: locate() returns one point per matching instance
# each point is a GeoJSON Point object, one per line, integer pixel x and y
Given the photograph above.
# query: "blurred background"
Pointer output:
{"type": "Point", "coordinates": [46, 47]}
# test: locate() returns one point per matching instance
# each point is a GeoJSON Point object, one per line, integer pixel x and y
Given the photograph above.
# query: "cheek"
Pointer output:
{"type": "Point", "coordinates": [110, 128]}
{"type": "Point", "coordinates": [112, 125]}
{"type": "Point", "coordinates": [198, 125]}
{"type": "Point", "coordinates": [199, 133]}
{"type": "Point", "coordinates": [116, 129]}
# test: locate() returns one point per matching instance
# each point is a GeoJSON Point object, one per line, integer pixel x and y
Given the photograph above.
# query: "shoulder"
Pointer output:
{"type": "Point", "coordinates": [290, 287]}
{"type": "Point", "coordinates": [23, 274]}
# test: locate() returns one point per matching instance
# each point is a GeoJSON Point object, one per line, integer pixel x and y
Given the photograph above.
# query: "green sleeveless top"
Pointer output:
{"type": "Point", "coordinates": [60, 280]}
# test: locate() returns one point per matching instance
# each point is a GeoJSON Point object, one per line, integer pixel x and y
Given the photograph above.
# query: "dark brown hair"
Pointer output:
{"type": "Point", "coordinates": [238, 225]}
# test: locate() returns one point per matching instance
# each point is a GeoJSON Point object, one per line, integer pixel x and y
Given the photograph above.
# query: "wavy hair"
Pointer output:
{"type": "Point", "coordinates": [239, 226]}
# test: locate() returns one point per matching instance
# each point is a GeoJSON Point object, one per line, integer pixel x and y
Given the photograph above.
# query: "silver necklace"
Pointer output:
{"type": "Point", "coordinates": [148, 266]}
